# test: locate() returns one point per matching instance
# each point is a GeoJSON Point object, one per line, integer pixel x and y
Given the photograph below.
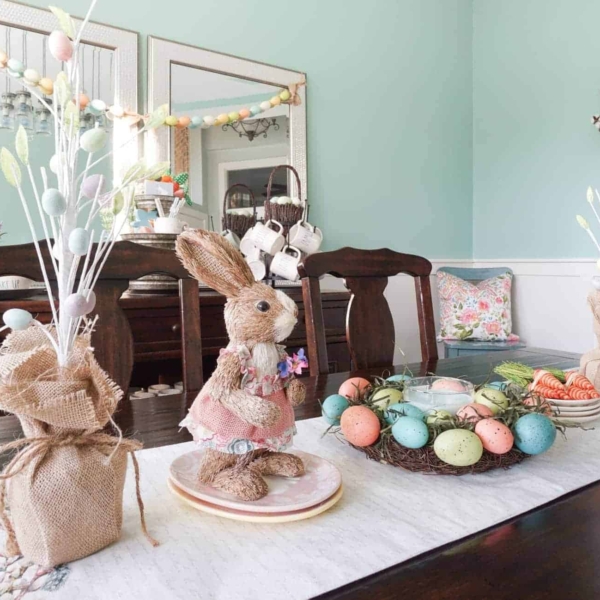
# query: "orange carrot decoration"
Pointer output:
{"type": "Point", "coordinates": [580, 381]}
{"type": "Point", "coordinates": [577, 394]}
{"type": "Point", "coordinates": [546, 379]}
{"type": "Point", "coordinates": [548, 392]}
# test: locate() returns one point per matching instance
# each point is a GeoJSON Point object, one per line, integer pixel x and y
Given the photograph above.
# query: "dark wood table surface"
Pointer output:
{"type": "Point", "coordinates": [552, 552]}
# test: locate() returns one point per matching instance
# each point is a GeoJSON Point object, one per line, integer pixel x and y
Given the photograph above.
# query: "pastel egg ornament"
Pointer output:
{"type": "Point", "coordinates": [46, 86]}
{"type": "Point", "coordinates": [90, 297]}
{"type": "Point", "coordinates": [233, 117]}
{"type": "Point", "coordinates": [437, 416]}
{"type": "Point", "coordinates": [403, 409]}
{"type": "Point", "coordinates": [383, 397]}
{"type": "Point", "coordinates": [275, 101]}
{"type": "Point", "coordinates": [448, 384]}
{"type": "Point", "coordinates": [17, 319]}
{"type": "Point", "coordinates": [244, 113]}
{"type": "Point", "coordinates": [473, 412]}
{"type": "Point", "coordinates": [53, 202]}
{"type": "Point", "coordinates": [97, 107]}
{"type": "Point", "coordinates": [79, 241]}
{"type": "Point", "coordinates": [285, 95]}
{"type": "Point", "coordinates": [222, 119]}
{"type": "Point", "coordinates": [458, 447]}
{"type": "Point", "coordinates": [534, 433]}
{"type": "Point", "coordinates": [333, 407]}
{"type": "Point", "coordinates": [354, 388]}
{"type": "Point", "coordinates": [196, 122]}
{"type": "Point", "coordinates": [360, 426]}
{"type": "Point", "coordinates": [54, 164]}
{"type": "Point", "coordinates": [494, 399]}
{"type": "Point", "coordinates": [410, 432]}
{"type": "Point", "coordinates": [208, 120]}
{"type": "Point", "coordinates": [3, 59]}
{"type": "Point", "coordinates": [15, 67]}
{"type": "Point", "coordinates": [256, 110]}
{"type": "Point", "coordinates": [84, 100]}
{"type": "Point", "coordinates": [183, 122]}
{"type": "Point", "coordinates": [495, 436]}
{"type": "Point", "coordinates": [31, 77]}
{"type": "Point", "coordinates": [60, 46]}
{"type": "Point", "coordinates": [92, 185]}
{"type": "Point", "coordinates": [266, 105]}
{"type": "Point", "coordinates": [93, 140]}
{"type": "Point", "coordinates": [76, 305]}
{"type": "Point", "coordinates": [400, 378]}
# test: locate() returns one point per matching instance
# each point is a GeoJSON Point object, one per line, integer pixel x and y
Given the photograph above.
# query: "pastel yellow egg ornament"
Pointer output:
{"type": "Point", "coordinates": [285, 95]}
{"type": "Point", "coordinates": [171, 121]}
{"type": "Point", "coordinates": [275, 101]}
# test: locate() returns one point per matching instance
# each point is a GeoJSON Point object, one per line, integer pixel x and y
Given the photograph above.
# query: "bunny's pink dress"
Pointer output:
{"type": "Point", "coordinates": [215, 427]}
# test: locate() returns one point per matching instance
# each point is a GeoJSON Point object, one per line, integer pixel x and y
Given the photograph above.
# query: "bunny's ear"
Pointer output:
{"type": "Point", "coordinates": [210, 258]}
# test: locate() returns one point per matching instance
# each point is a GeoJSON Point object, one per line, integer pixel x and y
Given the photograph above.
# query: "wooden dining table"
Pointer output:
{"type": "Point", "coordinates": [551, 552]}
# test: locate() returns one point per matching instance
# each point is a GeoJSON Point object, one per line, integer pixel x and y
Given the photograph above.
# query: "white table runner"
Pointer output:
{"type": "Point", "coordinates": [385, 517]}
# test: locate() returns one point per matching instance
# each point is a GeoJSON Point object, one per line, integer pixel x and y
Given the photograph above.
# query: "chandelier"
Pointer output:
{"type": "Point", "coordinates": [252, 129]}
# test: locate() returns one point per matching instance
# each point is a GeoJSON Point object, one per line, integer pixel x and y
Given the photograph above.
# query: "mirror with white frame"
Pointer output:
{"type": "Point", "coordinates": [199, 85]}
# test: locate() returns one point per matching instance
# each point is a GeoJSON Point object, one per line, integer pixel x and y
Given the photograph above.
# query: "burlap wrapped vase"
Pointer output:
{"type": "Point", "coordinates": [64, 487]}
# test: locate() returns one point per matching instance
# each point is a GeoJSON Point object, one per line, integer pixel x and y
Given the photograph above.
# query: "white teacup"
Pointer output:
{"type": "Point", "coordinates": [267, 239]}
{"type": "Point", "coordinates": [258, 268]}
{"type": "Point", "coordinates": [169, 225]}
{"type": "Point", "coordinates": [306, 237]}
{"type": "Point", "coordinates": [285, 263]}
{"type": "Point", "coordinates": [14, 282]}
{"type": "Point", "coordinates": [232, 238]}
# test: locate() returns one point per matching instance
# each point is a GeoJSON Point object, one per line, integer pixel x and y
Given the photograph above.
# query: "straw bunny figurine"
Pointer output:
{"type": "Point", "coordinates": [244, 415]}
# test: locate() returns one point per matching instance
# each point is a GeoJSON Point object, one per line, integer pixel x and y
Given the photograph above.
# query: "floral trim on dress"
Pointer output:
{"type": "Point", "coordinates": [475, 312]}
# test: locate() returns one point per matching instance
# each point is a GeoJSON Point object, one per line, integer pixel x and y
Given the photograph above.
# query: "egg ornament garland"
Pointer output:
{"type": "Point", "coordinates": [498, 429]}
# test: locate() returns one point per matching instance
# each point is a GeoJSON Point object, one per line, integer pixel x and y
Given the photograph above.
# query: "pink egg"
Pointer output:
{"type": "Point", "coordinates": [244, 113]}
{"type": "Point", "coordinates": [496, 437]}
{"type": "Point", "coordinates": [91, 301]}
{"type": "Point", "coordinates": [448, 385]}
{"type": "Point", "coordinates": [183, 122]}
{"type": "Point", "coordinates": [90, 185]}
{"type": "Point", "coordinates": [60, 46]}
{"type": "Point", "coordinates": [360, 426]}
{"type": "Point", "coordinates": [547, 409]}
{"type": "Point", "coordinates": [354, 388]}
{"type": "Point", "coordinates": [76, 305]}
{"type": "Point", "coordinates": [474, 412]}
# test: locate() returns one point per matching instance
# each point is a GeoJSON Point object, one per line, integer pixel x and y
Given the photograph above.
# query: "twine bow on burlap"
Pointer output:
{"type": "Point", "coordinates": [39, 447]}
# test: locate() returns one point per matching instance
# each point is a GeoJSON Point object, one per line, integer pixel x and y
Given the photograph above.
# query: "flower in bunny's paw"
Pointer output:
{"type": "Point", "coordinates": [298, 362]}
{"type": "Point", "coordinates": [284, 368]}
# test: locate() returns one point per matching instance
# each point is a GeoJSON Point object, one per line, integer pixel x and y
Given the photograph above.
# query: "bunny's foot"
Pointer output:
{"type": "Point", "coordinates": [246, 484]}
{"type": "Point", "coordinates": [278, 463]}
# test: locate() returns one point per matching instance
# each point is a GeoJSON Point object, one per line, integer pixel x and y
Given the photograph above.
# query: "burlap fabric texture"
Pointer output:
{"type": "Point", "coordinates": [64, 487]}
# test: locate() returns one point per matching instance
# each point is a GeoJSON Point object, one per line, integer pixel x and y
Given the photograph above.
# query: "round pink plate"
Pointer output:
{"type": "Point", "coordinates": [321, 481]}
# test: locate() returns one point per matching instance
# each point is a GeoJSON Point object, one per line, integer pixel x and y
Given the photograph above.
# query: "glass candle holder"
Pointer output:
{"type": "Point", "coordinates": [24, 110]}
{"type": "Point", "coordinates": [7, 108]}
{"type": "Point", "coordinates": [43, 123]}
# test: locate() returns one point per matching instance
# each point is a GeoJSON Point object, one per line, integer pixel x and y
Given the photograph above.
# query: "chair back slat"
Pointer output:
{"type": "Point", "coordinates": [370, 329]}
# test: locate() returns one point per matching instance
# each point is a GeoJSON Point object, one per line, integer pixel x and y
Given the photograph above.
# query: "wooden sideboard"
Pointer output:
{"type": "Point", "coordinates": [156, 328]}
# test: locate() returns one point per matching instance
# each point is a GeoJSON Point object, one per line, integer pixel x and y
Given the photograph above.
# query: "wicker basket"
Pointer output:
{"type": "Point", "coordinates": [286, 214]}
{"type": "Point", "coordinates": [238, 224]}
{"type": "Point", "coordinates": [424, 460]}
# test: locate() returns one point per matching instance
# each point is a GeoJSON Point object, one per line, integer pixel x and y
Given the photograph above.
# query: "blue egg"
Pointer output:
{"type": "Point", "coordinates": [333, 407]}
{"type": "Point", "coordinates": [256, 110]}
{"type": "Point", "coordinates": [534, 433]}
{"type": "Point", "coordinates": [410, 432]}
{"type": "Point", "coordinates": [17, 318]}
{"type": "Point", "coordinates": [196, 122]}
{"type": "Point", "coordinates": [398, 378]}
{"type": "Point", "coordinates": [405, 409]}
{"type": "Point", "coordinates": [497, 385]}
{"type": "Point", "coordinates": [79, 241]}
{"type": "Point", "coordinates": [16, 66]}
{"type": "Point", "coordinates": [54, 203]}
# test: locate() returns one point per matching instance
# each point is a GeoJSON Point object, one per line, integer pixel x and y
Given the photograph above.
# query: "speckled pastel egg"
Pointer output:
{"type": "Point", "coordinates": [183, 122]}
{"type": "Point", "coordinates": [354, 387]}
{"type": "Point", "coordinates": [195, 122]}
{"type": "Point", "coordinates": [53, 202]}
{"type": "Point", "coordinates": [448, 384]}
{"type": "Point", "coordinates": [60, 46]}
{"type": "Point", "coordinates": [15, 65]}
{"type": "Point", "coordinates": [266, 105]}
{"type": "Point", "coordinates": [46, 85]}
{"type": "Point", "coordinates": [90, 185]}
{"type": "Point", "coordinates": [31, 77]}
{"type": "Point", "coordinates": [403, 409]}
{"type": "Point", "coordinates": [496, 437]}
{"type": "Point", "coordinates": [3, 59]}
{"type": "Point", "coordinates": [275, 101]}
{"type": "Point", "coordinates": [93, 140]}
{"type": "Point", "coordinates": [437, 416]}
{"type": "Point", "coordinates": [244, 113]}
{"type": "Point", "coordinates": [285, 95]}
{"type": "Point", "coordinates": [534, 433]}
{"type": "Point", "coordinates": [97, 107]}
{"type": "Point", "coordinates": [255, 110]}
{"type": "Point", "coordinates": [79, 240]}
{"type": "Point", "coordinates": [385, 396]}
{"type": "Point", "coordinates": [208, 120]}
{"type": "Point", "coordinates": [494, 399]}
{"type": "Point", "coordinates": [91, 300]}
{"type": "Point", "coordinates": [76, 305]}
{"type": "Point", "coordinates": [398, 378]}
{"type": "Point", "coordinates": [222, 119]}
{"type": "Point", "coordinates": [17, 318]}
{"type": "Point", "coordinates": [410, 432]}
{"type": "Point", "coordinates": [458, 447]}
{"type": "Point", "coordinates": [360, 426]}
{"type": "Point", "coordinates": [473, 412]}
{"type": "Point", "coordinates": [333, 408]}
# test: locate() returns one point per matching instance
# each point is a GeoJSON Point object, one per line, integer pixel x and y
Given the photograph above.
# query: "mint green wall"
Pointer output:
{"type": "Point", "coordinates": [389, 107]}
{"type": "Point", "coordinates": [536, 84]}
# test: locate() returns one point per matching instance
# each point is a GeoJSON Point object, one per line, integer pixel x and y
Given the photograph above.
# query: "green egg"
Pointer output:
{"type": "Point", "coordinates": [93, 140]}
{"type": "Point", "coordinates": [458, 447]}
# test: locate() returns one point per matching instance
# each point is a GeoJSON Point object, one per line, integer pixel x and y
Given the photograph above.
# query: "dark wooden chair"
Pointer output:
{"type": "Point", "coordinates": [112, 339]}
{"type": "Point", "coordinates": [369, 325]}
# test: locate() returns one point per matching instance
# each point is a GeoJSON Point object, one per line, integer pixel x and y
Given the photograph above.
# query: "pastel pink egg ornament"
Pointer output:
{"type": "Point", "coordinates": [448, 385]}
{"type": "Point", "coordinates": [60, 46]}
{"type": "Point", "coordinates": [354, 388]}
{"type": "Point", "coordinates": [495, 437]}
{"type": "Point", "coordinates": [473, 412]}
{"type": "Point", "coordinates": [360, 426]}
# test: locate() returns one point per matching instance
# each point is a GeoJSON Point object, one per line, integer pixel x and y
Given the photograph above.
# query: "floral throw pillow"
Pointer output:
{"type": "Point", "coordinates": [475, 311]}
